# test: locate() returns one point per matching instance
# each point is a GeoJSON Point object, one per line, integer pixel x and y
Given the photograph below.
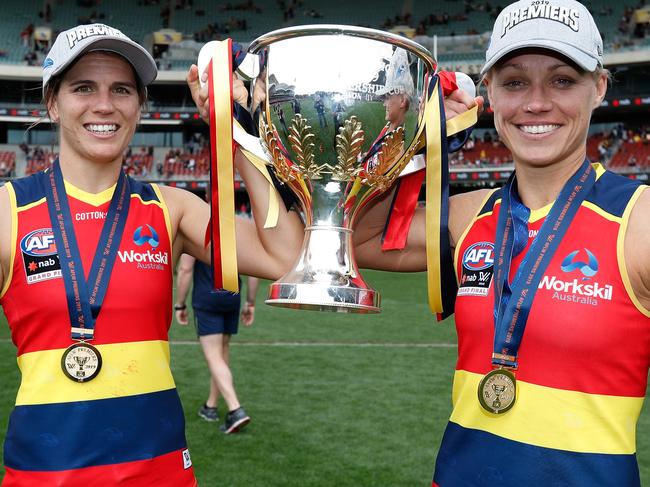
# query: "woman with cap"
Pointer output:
{"type": "Point", "coordinates": [553, 302]}
{"type": "Point", "coordinates": [86, 270]}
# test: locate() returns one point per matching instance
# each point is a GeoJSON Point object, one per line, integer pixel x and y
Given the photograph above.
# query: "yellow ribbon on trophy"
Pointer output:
{"type": "Point", "coordinates": [437, 202]}
{"type": "Point", "coordinates": [222, 181]}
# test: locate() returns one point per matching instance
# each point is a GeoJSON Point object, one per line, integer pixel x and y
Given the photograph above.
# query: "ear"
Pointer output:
{"type": "Point", "coordinates": [53, 109]}
{"type": "Point", "coordinates": [601, 90]}
{"type": "Point", "coordinates": [488, 87]}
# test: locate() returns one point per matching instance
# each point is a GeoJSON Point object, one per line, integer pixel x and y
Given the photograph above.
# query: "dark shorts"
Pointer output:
{"type": "Point", "coordinates": [211, 323]}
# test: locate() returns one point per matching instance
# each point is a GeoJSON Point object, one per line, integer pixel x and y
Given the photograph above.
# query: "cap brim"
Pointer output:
{"type": "Point", "coordinates": [135, 54]}
{"type": "Point", "coordinates": [582, 59]}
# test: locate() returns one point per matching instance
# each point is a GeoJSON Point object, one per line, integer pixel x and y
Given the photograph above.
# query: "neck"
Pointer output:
{"type": "Point", "coordinates": [540, 186]}
{"type": "Point", "coordinates": [90, 176]}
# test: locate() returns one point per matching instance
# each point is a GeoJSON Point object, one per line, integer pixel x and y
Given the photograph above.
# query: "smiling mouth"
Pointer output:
{"type": "Point", "coordinates": [101, 129]}
{"type": "Point", "coordinates": [538, 129]}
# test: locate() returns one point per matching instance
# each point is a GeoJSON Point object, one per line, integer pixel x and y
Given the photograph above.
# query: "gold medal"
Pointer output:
{"type": "Point", "coordinates": [497, 391]}
{"type": "Point", "coordinates": [81, 362]}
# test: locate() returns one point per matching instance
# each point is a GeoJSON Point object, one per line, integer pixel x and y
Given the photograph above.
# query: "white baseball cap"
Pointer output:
{"type": "Point", "coordinates": [563, 26]}
{"type": "Point", "coordinates": [398, 76]}
{"type": "Point", "coordinates": [72, 43]}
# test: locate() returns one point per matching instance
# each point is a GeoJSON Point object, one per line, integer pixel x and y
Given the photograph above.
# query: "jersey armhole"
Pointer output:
{"type": "Point", "coordinates": [13, 208]}
{"type": "Point", "coordinates": [471, 224]}
{"type": "Point", "coordinates": [163, 205]}
{"type": "Point", "coordinates": [620, 252]}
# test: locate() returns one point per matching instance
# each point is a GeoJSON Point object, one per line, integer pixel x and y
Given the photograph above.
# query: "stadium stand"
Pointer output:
{"type": "Point", "coordinates": [175, 30]}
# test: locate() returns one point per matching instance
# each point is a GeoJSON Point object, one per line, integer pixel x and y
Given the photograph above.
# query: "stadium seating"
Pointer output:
{"type": "Point", "coordinates": [632, 154]}
{"type": "Point", "coordinates": [247, 19]}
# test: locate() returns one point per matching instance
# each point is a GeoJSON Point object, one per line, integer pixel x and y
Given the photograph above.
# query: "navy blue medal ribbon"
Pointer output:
{"type": "Point", "coordinates": [513, 300]}
{"type": "Point", "coordinates": [85, 297]}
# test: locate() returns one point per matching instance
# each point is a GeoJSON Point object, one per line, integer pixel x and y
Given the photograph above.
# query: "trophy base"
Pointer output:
{"type": "Point", "coordinates": [341, 299]}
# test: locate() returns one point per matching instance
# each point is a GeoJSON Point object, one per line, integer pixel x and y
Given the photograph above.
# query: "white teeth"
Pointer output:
{"type": "Point", "coordinates": [102, 129]}
{"type": "Point", "coordinates": [537, 129]}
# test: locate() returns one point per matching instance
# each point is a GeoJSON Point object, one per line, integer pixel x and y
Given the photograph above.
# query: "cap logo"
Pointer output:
{"type": "Point", "coordinates": [541, 9]}
{"type": "Point", "coordinates": [85, 31]}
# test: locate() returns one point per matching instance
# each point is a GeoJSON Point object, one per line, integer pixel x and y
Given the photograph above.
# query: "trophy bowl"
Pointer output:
{"type": "Point", "coordinates": [342, 118]}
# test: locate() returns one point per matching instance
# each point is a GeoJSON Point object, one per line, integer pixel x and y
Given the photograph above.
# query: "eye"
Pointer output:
{"type": "Point", "coordinates": [513, 84]}
{"type": "Point", "coordinates": [122, 90]}
{"type": "Point", "coordinates": [563, 82]}
{"type": "Point", "coordinates": [82, 89]}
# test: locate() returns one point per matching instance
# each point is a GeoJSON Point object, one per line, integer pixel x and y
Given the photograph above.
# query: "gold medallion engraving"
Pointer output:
{"type": "Point", "coordinates": [81, 362]}
{"type": "Point", "coordinates": [497, 391]}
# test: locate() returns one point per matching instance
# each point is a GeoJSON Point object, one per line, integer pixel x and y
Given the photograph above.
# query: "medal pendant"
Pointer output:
{"type": "Point", "coordinates": [81, 362]}
{"type": "Point", "coordinates": [497, 391]}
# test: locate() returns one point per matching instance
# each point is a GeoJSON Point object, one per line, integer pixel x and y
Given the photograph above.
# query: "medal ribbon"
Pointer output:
{"type": "Point", "coordinates": [85, 297]}
{"type": "Point", "coordinates": [513, 301]}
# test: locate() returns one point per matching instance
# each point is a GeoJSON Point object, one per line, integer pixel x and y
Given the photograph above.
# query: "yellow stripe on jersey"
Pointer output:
{"type": "Point", "coordinates": [601, 212]}
{"type": "Point", "coordinates": [620, 251]}
{"type": "Point", "coordinates": [163, 205]}
{"type": "Point", "coordinates": [31, 205]}
{"type": "Point", "coordinates": [564, 420]}
{"type": "Point", "coordinates": [471, 224]}
{"type": "Point", "coordinates": [95, 199]}
{"type": "Point", "coordinates": [13, 208]}
{"type": "Point", "coordinates": [127, 369]}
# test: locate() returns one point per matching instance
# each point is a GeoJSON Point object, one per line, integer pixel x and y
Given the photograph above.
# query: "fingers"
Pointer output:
{"type": "Point", "coordinates": [182, 317]}
{"type": "Point", "coordinates": [239, 92]}
{"type": "Point", "coordinates": [480, 101]}
{"type": "Point", "coordinates": [199, 94]}
{"type": "Point", "coordinates": [259, 93]}
{"type": "Point", "coordinates": [462, 97]}
{"type": "Point", "coordinates": [459, 101]}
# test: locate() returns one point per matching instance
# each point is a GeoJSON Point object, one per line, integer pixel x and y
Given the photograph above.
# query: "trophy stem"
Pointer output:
{"type": "Point", "coordinates": [325, 277]}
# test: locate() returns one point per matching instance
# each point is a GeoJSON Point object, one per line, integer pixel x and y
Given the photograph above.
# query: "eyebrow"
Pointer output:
{"type": "Point", "coordinates": [93, 82]}
{"type": "Point", "coordinates": [523, 67]}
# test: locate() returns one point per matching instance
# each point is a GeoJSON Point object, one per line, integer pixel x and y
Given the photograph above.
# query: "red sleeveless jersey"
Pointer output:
{"type": "Point", "coordinates": [583, 360]}
{"type": "Point", "coordinates": [126, 426]}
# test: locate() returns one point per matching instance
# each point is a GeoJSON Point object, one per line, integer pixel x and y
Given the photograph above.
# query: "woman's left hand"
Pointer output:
{"type": "Point", "coordinates": [201, 96]}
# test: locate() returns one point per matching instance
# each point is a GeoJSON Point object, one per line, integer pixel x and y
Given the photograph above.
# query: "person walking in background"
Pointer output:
{"type": "Point", "coordinates": [216, 317]}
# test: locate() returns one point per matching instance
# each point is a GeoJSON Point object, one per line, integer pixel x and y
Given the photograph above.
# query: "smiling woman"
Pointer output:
{"type": "Point", "coordinates": [553, 311]}
{"type": "Point", "coordinates": [86, 259]}
{"type": "Point", "coordinates": [96, 106]}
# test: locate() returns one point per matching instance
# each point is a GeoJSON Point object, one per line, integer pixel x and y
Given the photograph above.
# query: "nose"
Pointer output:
{"type": "Point", "coordinates": [538, 101]}
{"type": "Point", "coordinates": [103, 102]}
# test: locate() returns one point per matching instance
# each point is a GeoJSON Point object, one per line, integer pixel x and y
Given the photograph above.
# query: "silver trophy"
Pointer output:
{"type": "Point", "coordinates": [342, 119]}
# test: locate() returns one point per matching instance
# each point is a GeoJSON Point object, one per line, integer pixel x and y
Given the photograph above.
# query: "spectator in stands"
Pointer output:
{"type": "Point", "coordinates": [74, 422]}
{"type": "Point", "coordinates": [26, 35]}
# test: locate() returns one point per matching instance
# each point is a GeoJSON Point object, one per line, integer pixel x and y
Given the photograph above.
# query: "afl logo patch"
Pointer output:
{"type": "Point", "coordinates": [479, 256]}
{"type": "Point", "coordinates": [38, 243]}
{"type": "Point", "coordinates": [477, 269]}
{"type": "Point", "coordinates": [40, 258]}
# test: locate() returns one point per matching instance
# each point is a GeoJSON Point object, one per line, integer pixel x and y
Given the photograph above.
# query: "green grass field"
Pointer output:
{"type": "Point", "coordinates": [336, 400]}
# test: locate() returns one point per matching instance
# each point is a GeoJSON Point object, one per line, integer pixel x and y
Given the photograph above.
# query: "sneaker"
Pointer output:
{"type": "Point", "coordinates": [235, 421]}
{"type": "Point", "coordinates": [208, 413]}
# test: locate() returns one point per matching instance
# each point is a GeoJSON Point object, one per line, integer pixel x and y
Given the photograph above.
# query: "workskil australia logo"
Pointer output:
{"type": "Point", "coordinates": [478, 268]}
{"type": "Point", "coordinates": [582, 289]}
{"type": "Point", "coordinates": [145, 236]}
